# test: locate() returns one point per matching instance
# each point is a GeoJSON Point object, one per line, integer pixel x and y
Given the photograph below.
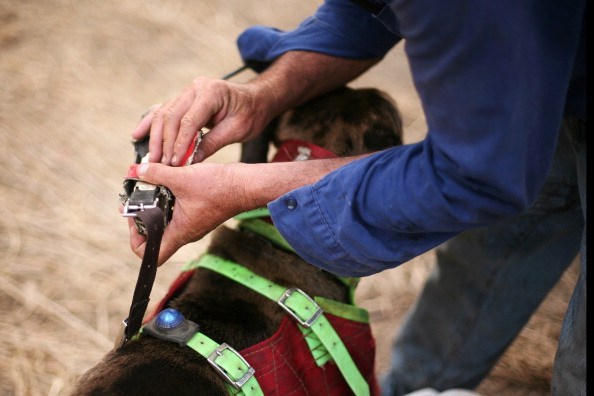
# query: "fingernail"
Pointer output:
{"type": "Point", "coordinates": [164, 159]}
{"type": "Point", "coordinates": [174, 160]}
{"type": "Point", "coordinates": [141, 170]}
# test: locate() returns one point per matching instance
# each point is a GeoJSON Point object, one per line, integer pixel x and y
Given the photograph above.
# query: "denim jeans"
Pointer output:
{"type": "Point", "coordinates": [487, 282]}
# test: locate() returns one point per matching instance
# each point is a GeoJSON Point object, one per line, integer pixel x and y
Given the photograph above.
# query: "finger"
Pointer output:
{"type": "Point", "coordinates": [156, 141]}
{"type": "Point", "coordinates": [208, 107]}
{"type": "Point", "coordinates": [144, 126]}
{"type": "Point", "coordinates": [223, 134]}
{"type": "Point", "coordinates": [159, 174]}
{"type": "Point", "coordinates": [171, 123]}
{"type": "Point", "coordinates": [196, 117]}
{"type": "Point", "coordinates": [137, 241]}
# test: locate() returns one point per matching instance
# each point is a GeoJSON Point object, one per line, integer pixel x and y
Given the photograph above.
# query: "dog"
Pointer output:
{"type": "Point", "coordinates": [345, 122]}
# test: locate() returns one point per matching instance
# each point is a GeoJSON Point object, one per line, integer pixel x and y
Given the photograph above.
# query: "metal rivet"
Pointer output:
{"type": "Point", "coordinates": [291, 203]}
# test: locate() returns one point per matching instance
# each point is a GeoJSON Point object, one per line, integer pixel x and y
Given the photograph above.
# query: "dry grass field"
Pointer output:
{"type": "Point", "coordinates": [74, 77]}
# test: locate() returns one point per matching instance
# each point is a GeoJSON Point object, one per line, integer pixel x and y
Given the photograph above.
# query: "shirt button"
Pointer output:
{"type": "Point", "coordinates": [291, 203]}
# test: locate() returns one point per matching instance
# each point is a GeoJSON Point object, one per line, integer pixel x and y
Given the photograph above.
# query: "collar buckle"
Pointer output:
{"type": "Point", "coordinates": [144, 196]}
{"type": "Point", "coordinates": [299, 305]}
{"type": "Point", "coordinates": [225, 351]}
{"type": "Point", "coordinates": [139, 196]}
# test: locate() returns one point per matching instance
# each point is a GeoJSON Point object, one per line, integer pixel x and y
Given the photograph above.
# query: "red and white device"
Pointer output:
{"type": "Point", "coordinates": [139, 196]}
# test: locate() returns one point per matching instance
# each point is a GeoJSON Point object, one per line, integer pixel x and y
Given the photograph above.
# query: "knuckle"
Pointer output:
{"type": "Point", "coordinates": [210, 145]}
{"type": "Point", "coordinates": [206, 84]}
{"type": "Point", "coordinates": [187, 122]}
{"type": "Point", "coordinates": [169, 115]}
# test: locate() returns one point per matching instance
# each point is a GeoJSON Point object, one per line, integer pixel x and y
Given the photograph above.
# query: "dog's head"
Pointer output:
{"type": "Point", "coordinates": [346, 122]}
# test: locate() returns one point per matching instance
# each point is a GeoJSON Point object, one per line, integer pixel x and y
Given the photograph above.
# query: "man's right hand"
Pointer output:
{"type": "Point", "coordinates": [238, 112]}
{"type": "Point", "coordinates": [233, 112]}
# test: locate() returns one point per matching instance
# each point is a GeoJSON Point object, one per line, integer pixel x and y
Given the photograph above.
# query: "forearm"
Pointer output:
{"type": "Point", "coordinates": [298, 76]}
{"type": "Point", "coordinates": [259, 184]}
{"type": "Point", "coordinates": [208, 194]}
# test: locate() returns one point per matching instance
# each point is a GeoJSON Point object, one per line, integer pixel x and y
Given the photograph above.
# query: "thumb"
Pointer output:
{"type": "Point", "coordinates": [154, 173]}
{"type": "Point", "coordinates": [221, 135]}
{"type": "Point", "coordinates": [208, 146]}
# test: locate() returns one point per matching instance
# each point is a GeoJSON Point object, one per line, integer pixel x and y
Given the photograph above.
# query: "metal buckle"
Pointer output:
{"type": "Point", "coordinates": [121, 336]}
{"type": "Point", "coordinates": [221, 370]}
{"type": "Point", "coordinates": [138, 196]}
{"type": "Point", "coordinates": [131, 209]}
{"type": "Point", "coordinates": [304, 322]}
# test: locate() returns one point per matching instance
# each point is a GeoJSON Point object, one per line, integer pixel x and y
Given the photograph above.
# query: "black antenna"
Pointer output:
{"type": "Point", "coordinates": [234, 72]}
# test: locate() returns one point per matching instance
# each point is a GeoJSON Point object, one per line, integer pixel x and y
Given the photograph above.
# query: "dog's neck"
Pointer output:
{"type": "Point", "coordinates": [267, 259]}
{"type": "Point", "coordinates": [265, 240]}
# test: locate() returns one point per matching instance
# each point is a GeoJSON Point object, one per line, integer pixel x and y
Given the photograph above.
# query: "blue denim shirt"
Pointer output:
{"type": "Point", "coordinates": [493, 79]}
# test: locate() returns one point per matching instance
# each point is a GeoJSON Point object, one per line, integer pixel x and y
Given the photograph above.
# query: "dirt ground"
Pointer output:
{"type": "Point", "coordinates": [74, 77]}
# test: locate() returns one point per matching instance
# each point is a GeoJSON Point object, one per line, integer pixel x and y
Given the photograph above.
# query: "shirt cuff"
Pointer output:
{"type": "Point", "coordinates": [332, 227]}
{"type": "Point", "coordinates": [300, 221]}
{"type": "Point", "coordinates": [338, 28]}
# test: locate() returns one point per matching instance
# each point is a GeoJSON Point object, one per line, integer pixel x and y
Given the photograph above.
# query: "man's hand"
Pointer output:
{"type": "Point", "coordinates": [239, 112]}
{"type": "Point", "coordinates": [206, 195]}
{"type": "Point", "coordinates": [205, 198]}
{"type": "Point", "coordinates": [234, 112]}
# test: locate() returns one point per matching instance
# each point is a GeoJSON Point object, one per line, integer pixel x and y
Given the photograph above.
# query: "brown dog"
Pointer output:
{"type": "Point", "coordinates": [345, 122]}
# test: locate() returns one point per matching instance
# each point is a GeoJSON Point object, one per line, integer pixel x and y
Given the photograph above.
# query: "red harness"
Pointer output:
{"type": "Point", "coordinates": [284, 364]}
{"type": "Point", "coordinates": [298, 150]}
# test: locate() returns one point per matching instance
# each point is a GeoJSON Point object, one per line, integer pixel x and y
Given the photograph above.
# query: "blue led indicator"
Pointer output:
{"type": "Point", "coordinates": [169, 319]}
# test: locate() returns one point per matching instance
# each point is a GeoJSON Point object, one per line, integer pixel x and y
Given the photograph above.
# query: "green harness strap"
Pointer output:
{"type": "Point", "coordinates": [229, 364]}
{"type": "Point", "coordinates": [251, 221]}
{"type": "Point", "coordinates": [268, 231]}
{"type": "Point", "coordinates": [301, 307]}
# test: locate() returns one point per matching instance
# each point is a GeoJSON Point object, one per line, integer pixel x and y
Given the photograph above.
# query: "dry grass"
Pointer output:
{"type": "Point", "coordinates": [75, 76]}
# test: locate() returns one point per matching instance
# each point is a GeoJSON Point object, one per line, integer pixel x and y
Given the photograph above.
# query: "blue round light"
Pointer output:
{"type": "Point", "coordinates": [169, 319]}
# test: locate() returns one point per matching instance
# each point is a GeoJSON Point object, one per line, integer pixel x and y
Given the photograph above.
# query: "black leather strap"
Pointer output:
{"type": "Point", "coordinates": [155, 226]}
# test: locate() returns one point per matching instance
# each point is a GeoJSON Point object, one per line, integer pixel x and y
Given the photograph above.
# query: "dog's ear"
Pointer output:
{"type": "Point", "coordinates": [256, 150]}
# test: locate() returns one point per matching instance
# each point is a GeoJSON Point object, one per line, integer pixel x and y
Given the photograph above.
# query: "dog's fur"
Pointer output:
{"type": "Point", "coordinates": [346, 122]}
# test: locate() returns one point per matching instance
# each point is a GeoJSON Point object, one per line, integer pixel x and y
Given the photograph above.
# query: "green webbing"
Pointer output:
{"type": "Point", "coordinates": [250, 220]}
{"type": "Point", "coordinates": [317, 349]}
{"type": "Point", "coordinates": [346, 311]}
{"type": "Point", "coordinates": [301, 307]}
{"type": "Point", "coordinates": [228, 361]}
{"type": "Point", "coordinates": [252, 214]}
{"type": "Point", "coordinates": [268, 231]}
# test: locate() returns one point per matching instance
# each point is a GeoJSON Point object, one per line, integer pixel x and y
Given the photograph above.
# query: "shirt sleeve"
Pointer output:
{"type": "Point", "coordinates": [492, 79]}
{"type": "Point", "coordinates": [338, 28]}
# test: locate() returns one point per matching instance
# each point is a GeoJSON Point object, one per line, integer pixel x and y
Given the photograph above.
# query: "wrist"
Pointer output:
{"type": "Point", "coordinates": [253, 185]}
{"type": "Point", "coordinates": [268, 100]}
{"type": "Point", "coordinates": [298, 76]}
{"type": "Point", "coordinates": [258, 184]}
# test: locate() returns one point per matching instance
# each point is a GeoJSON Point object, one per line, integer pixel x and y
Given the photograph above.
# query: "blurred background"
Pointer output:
{"type": "Point", "coordinates": [74, 78]}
